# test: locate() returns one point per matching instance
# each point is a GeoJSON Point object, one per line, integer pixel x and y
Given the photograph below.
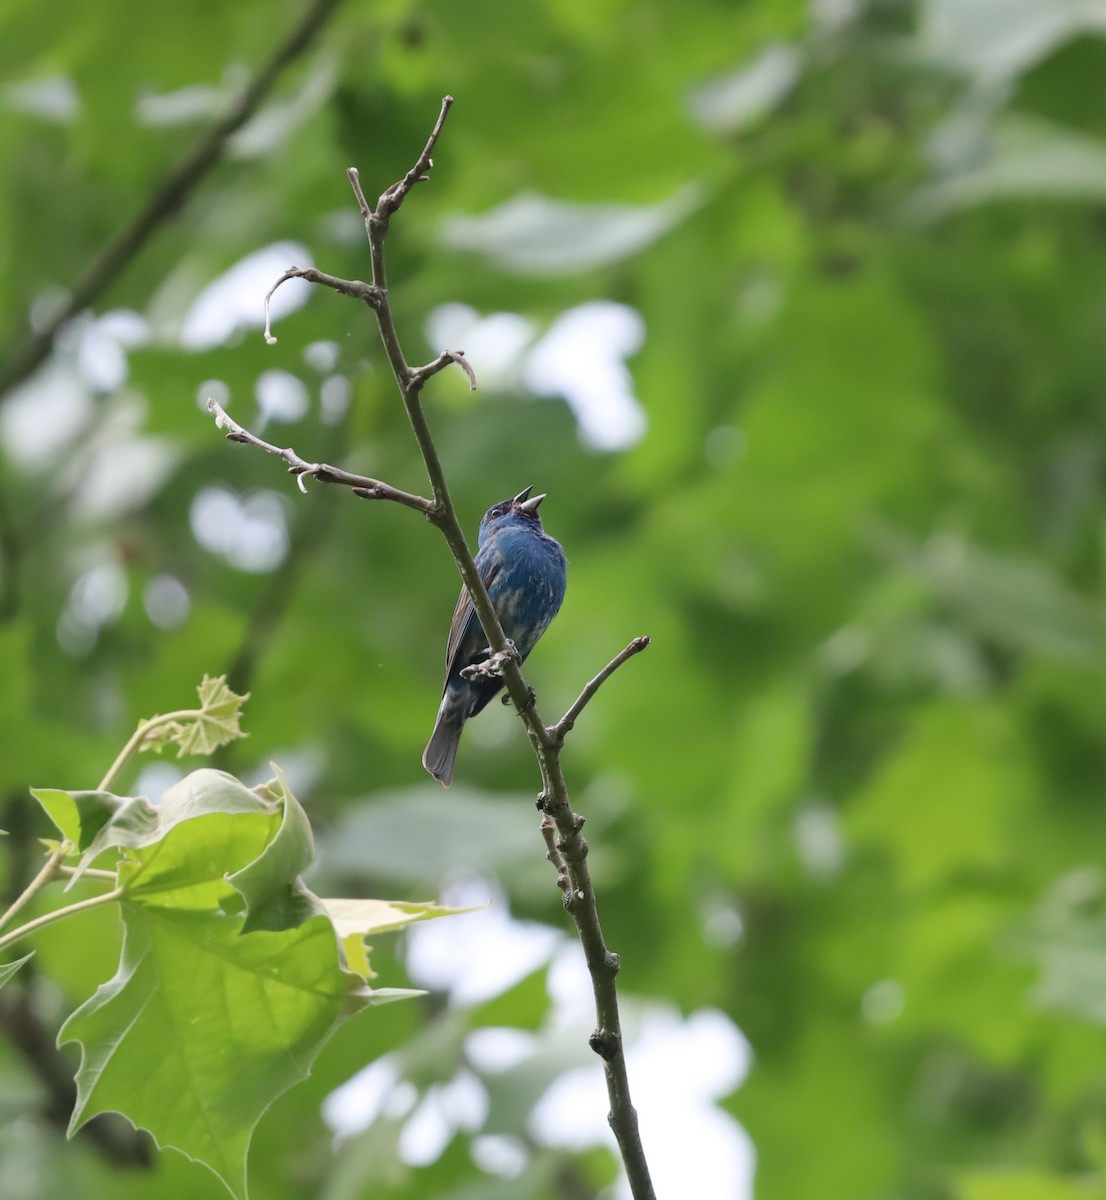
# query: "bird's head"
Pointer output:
{"type": "Point", "coordinates": [522, 507]}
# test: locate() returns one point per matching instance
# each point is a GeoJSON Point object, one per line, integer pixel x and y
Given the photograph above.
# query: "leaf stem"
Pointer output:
{"type": "Point", "coordinates": [91, 873]}
{"type": "Point", "coordinates": [134, 743]}
{"type": "Point", "coordinates": [59, 914]}
{"type": "Point", "coordinates": [53, 865]}
{"type": "Point", "coordinates": [49, 870]}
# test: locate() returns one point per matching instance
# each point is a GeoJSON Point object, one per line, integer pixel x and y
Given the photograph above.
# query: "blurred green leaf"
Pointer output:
{"type": "Point", "coordinates": [1024, 157]}
{"type": "Point", "coordinates": [1027, 1185]}
{"type": "Point", "coordinates": [7, 970]}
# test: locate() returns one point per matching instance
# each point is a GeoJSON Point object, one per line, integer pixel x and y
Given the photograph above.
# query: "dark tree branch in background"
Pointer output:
{"type": "Point", "coordinates": [114, 1136]}
{"type": "Point", "coordinates": [560, 826]}
{"type": "Point", "coordinates": [170, 196]}
{"type": "Point", "coordinates": [10, 554]}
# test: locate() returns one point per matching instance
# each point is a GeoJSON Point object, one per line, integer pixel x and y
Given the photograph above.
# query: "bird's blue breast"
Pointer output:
{"type": "Point", "coordinates": [528, 584]}
{"type": "Point", "coordinates": [525, 568]}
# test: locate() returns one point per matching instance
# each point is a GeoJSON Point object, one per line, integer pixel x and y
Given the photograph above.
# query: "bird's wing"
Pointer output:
{"type": "Point", "coordinates": [466, 624]}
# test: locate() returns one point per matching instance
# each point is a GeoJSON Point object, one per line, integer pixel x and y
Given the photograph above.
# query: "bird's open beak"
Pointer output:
{"type": "Point", "coordinates": [523, 494]}
{"type": "Point", "coordinates": [531, 505]}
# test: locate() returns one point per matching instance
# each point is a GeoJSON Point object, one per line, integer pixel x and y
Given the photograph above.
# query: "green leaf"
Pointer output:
{"type": "Point", "coordinates": [276, 897]}
{"type": "Point", "coordinates": [380, 916]}
{"type": "Point", "coordinates": [354, 920]}
{"type": "Point", "coordinates": [137, 824]}
{"type": "Point", "coordinates": [79, 816]}
{"type": "Point", "coordinates": [7, 970]}
{"type": "Point", "coordinates": [204, 793]}
{"type": "Point", "coordinates": [1026, 1185]}
{"type": "Point", "coordinates": [203, 1025]}
{"type": "Point", "coordinates": [215, 723]}
{"type": "Point", "coordinates": [534, 235]}
{"type": "Point", "coordinates": [230, 978]}
{"type": "Point", "coordinates": [1024, 157]}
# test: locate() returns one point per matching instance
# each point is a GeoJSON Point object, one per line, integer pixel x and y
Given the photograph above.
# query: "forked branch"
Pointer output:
{"type": "Point", "coordinates": [164, 202]}
{"type": "Point", "coordinates": [363, 486]}
{"type": "Point", "coordinates": [561, 826]}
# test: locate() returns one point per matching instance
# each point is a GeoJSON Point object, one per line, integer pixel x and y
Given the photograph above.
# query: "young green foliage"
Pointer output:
{"type": "Point", "coordinates": [230, 978]}
{"type": "Point", "coordinates": [232, 973]}
{"type": "Point", "coordinates": [214, 724]}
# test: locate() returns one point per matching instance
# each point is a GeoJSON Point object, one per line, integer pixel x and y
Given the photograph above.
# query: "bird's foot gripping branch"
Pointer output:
{"type": "Point", "coordinates": [496, 623]}
{"type": "Point", "coordinates": [232, 974]}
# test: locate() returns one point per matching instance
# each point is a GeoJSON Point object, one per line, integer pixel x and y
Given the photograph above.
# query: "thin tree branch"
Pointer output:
{"type": "Point", "coordinates": [394, 196]}
{"type": "Point", "coordinates": [421, 374]}
{"type": "Point", "coordinates": [603, 966]}
{"type": "Point", "coordinates": [580, 894]}
{"type": "Point", "coordinates": [167, 199]}
{"type": "Point", "coordinates": [363, 485]}
{"type": "Point", "coordinates": [560, 731]}
{"type": "Point", "coordinates": [560, 826]}
{"type": "Point", "coordinates": [348, 287]}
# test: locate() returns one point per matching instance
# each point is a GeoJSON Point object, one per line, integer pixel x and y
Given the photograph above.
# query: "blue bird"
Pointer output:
{"type": "Point", "coordinates": [523, 569]}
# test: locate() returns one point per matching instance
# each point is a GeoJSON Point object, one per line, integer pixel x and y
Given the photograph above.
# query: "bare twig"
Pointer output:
{"type": "Point", "coordinates": [348, 287]}
{"type": "Point", "coordinates": [166, 200]}
{"type": "Point", "coordinates": [363, 485]}
{"type": "Point", "coordinates": [422, 374]}
{"type": "Point", "coordinates": [394, 196]}
{"type": "Point", "coordinates": [603, 966]}
{"type": "Point", "coordinates": [560, 731]}
{"type": "Point", "coordinates": [580, 894]}
{"type": "Point", "coordinates": [560, 826]}
{"type": "Point", "coordinates": [354, 177]}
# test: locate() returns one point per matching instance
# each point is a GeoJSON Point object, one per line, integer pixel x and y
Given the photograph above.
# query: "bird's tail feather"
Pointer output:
{"type": "Point", "coordinates": [441, 751]}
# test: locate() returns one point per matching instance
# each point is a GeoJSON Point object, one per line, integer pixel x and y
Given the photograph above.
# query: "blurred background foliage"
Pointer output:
{"type": "Point", "coordinates": [824, 284]}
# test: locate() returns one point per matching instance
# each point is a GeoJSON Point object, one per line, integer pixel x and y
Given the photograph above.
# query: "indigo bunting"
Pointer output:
{"type": "Point", "coordinates": [523, 569]}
